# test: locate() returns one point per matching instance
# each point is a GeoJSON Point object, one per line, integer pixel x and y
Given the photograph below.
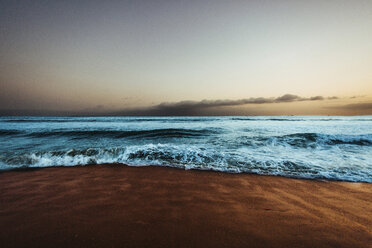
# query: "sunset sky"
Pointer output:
{"type": "Point", "coordinates": [203, 57]}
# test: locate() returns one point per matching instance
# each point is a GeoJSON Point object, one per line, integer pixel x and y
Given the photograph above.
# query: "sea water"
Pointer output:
{"type": "Point", "coordinates": [314, 147]}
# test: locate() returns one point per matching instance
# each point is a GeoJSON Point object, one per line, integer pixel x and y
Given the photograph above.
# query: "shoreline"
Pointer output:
{"type": "Point", "coordinates": [157, 206]}
{"type": "Point", "coordinates": [27, 169]}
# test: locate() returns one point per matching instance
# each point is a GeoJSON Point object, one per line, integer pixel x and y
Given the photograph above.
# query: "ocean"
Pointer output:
{"type": "Point", "coordinates": [312, 147]}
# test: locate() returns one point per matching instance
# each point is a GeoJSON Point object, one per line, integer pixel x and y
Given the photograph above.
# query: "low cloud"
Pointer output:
{"type": "Point", "coordinates": [202, 107]}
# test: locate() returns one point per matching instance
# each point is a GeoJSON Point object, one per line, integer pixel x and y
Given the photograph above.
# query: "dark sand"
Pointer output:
{"type": "Point", "coordinates": [120, 206]}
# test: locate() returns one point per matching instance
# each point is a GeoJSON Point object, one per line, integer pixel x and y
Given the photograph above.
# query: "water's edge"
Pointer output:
{"type": "Point", "coordinates": [121, 165]}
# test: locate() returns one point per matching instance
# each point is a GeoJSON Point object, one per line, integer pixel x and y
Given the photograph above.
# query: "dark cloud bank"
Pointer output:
{"type": "Point", "coordinates": [205, 107]}
{"type": "Point", "coordinates": [182, 108]}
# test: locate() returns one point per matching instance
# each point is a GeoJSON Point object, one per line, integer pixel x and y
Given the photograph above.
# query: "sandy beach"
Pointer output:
{"type": "Point", "coordinates": [121, 206]}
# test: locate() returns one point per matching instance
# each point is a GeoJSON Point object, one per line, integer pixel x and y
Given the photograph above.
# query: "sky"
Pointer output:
{"type": "Point", "coordinates": [206, 57]}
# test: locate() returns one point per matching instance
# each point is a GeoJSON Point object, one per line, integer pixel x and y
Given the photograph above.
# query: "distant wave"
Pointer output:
{"type": "Point", "coordinates": [296, 139]}
{"type": "Point", "coordinates": [160, 133]}
{"type": "Point", "coordinates": [264, 119]}
{"type": "Point", "coordinates": [307, 140]}
{"type": "Point", "coordinates": [5, 132]}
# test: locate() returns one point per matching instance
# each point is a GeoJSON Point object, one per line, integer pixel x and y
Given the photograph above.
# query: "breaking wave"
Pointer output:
{"type": "Point", "coordinates": [190, 157]}
{"type": "Point", "coordinates": [335, 148]}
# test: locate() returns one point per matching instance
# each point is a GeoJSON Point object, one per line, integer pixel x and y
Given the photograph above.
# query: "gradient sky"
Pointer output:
{"type": "Point", "coordinates": [129, 57]}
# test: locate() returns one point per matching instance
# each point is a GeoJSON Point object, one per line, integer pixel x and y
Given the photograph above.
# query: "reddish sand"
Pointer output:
{"type": "Point", "coordinates": [120, 206]}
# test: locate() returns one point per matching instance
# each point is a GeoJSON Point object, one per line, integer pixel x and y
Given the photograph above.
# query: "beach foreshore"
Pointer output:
{"type": "Point", "coordinates": [122, 206]}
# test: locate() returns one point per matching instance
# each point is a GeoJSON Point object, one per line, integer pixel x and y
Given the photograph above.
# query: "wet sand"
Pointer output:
{"type": "Point", "coordinates": [120, 206]}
